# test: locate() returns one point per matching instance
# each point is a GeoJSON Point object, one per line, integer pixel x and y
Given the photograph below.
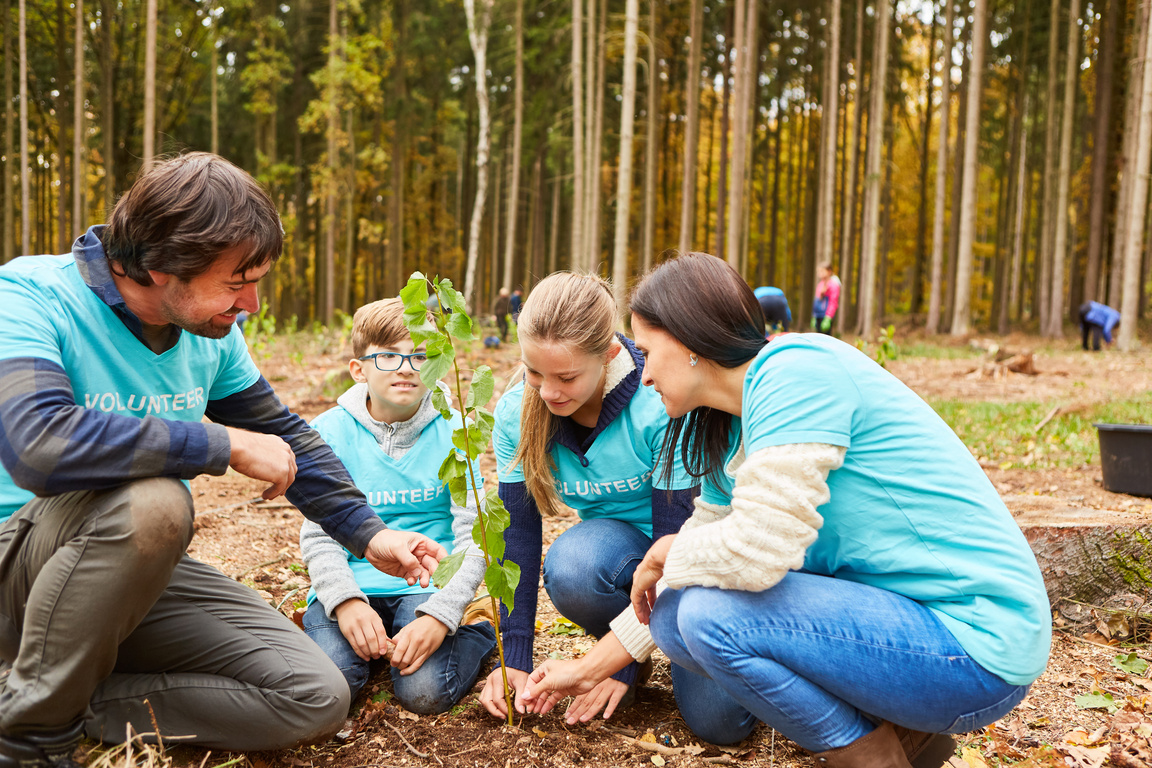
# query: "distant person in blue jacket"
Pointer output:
{"type": "Point", "coordinates": [774, 305]}
{"type": "Point", "coordinates": [1099, 320]}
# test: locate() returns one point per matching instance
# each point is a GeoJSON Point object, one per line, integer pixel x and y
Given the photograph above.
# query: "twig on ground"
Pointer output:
{"type": "Point", "coordinates": [722, 760]}
{"type": "Point", "coordinates": [279, 558]}
{"type": "Point", "coordinates": [619, 731]}
{"type": "Point", "coordinates": [226, 508]}
{"type": "Point", "coordinates": [649, 746]}
{"type": "Point", "coordinates": [1044, 421]}
{"type": "Point", "coordinates": [408, 744]}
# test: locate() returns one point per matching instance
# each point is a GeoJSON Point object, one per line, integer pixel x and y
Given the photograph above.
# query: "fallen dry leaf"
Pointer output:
{"type": "Point", "coordinates": [540, 732]}
{"type": "Point", "coordinates": [973, 757]}
{"type": "Point", "coordinates": [657, 760]}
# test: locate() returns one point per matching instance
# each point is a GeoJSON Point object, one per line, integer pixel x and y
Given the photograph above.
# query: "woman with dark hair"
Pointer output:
{"type": "Point", "coordinates": [849, 575]}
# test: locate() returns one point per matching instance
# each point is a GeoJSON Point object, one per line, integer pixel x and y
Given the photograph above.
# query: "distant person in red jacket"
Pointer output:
{"type": "Point", "coordinates": [827, 299]}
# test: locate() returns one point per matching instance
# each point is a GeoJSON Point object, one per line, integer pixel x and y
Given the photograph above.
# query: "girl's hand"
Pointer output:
{"type": "Point", "coordinates": [553, 681]}
{"type": "Point", "coordinates": [649, 571]}
{"type": "Point", "coordinates": [363, 629]}
{"type": "Point", "coordinates": [416, 642]}
{"type": "Point", "coordinates": [605, 696]}
{"type": "Point", "coordinates": [492, 697]}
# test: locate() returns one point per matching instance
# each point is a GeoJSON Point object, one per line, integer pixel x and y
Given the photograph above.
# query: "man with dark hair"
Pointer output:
{"type": "Point", "coordinates": [112, 355]}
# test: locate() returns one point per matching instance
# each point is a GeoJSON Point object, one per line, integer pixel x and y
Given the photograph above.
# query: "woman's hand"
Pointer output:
{"type": "Point", "coordinates": [605, 696]}
{"type": "Point", "coordinates": [492, 697]}
{"type": "Point", "coordinates": [362, 628]}
{"type": "Point", "coordinates": [553, 681]}
{"type": "Point", "coordinates": [649, 571]}
{"type": "Point", "coordinates": [416, 642]}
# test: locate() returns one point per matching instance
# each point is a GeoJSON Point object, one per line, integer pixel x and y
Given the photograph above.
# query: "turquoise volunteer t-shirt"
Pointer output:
{"type": "Point", "coordinates": [49, 312]}
{"type": "Point", "coordinates": [910, 510]}
{"type": "Point", "coordinates": [623, 462]}
{"type": "Point", "coordinates": [406, 493]}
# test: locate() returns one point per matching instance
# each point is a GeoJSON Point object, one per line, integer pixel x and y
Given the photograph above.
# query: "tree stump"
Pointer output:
{"type": "Point", "coordinates": [1090, 555]}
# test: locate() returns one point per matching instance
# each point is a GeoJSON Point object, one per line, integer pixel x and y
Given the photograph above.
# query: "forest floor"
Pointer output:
{"type": "Point", "coordinates": [1084, 711]}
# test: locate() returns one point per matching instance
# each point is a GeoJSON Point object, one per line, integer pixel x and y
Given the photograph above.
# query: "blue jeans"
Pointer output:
{"type": "Point", "coordinates": [822, 659]}
{"type": "Point", "coordinates": [588, 574]}
{"type": "Point", "coordinates": [446, 675]}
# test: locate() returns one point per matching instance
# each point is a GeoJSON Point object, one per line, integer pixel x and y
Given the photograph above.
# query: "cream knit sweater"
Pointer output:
{"type": "Point", "coordinates": [751, 544]}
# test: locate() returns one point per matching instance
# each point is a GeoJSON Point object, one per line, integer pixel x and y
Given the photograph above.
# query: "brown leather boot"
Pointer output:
{"type": "Point", "coordinates": [879, 749]}
{"type": "Point", "coordinates": [926, 750]}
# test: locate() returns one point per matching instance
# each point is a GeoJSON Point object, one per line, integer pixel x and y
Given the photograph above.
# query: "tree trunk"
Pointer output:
{"type": "Point", "coordinates": [961, 311]}
{"type": "Point", "coordinates": [394, 277]}
{"type": "Point", "coordinates": [825, 208]}
{"type": "Point", "coordinates": [62, 240]}
{"type": "Point", "coordinates": [730, 45]}
{"type": "Point", "coordinates": [517, 130]}
{"type": "Point", "coordinates": [624, 163]}
{"type": "Point", "coordinates": [108, 99]}
{"type": "Point", "coordinates": [1060, 242]}
{"type": "Point", "coordinates": [849, 222]}
{"type": "Point", "coordinates": [957, 180]}
{"type": "Point", "coordinates": [1130, 298]}
{"type": "Point", "coordinates": [746, 70]}
{"type": "Point", "coordinates": [592, 262]}
{"type": "Point", "coordinates": [25, 171]}
{"type": "Point", "coordinates": [478, 39]}
{"type": "Point", "coordinates": [9, 194]}
{"type": "Point", "coordinates": [78, 124]}
{"type": "Point", "coordinates": [917, 297]}
{"type": "Point", "coordinates": [870, 231]}
{"type": "Point", "coordinates": [944, 116]}
{"type": "Point", "coordinates": [1044, 299]}
{"type": "Point", "coordinates": [150, 83]}
{"type": "Point", "coordinates": [650, 143]}
{"type": "Point", "coordinates": [214, 92]}
{"type": "Point", "coordinates": [554, 235]}
{"type": "Point", "coordinates": [691, 129]}
{"type": "Point", "coordinates": [1021, 181]}
{"type": "Point", "coordinates": [329, 277]}
{"type": "Point", "coordinates": [1101, 138]}
{"type": "Point", "coordinates": [577, 234]}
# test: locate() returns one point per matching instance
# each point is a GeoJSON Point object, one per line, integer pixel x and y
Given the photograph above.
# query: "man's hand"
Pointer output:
{"type": "Point", "coordinates": [362, 628]}
{"type": "Point", "coordinates": [263, 457]}
{"type": "Point", "coordinates": [492, 697]}
{"type": "Point", "coordinates": [411, 556]}
{"type": "Point", "coordinates": [644, 579]}
{"type": "Point", "coordinates": [416, 642]}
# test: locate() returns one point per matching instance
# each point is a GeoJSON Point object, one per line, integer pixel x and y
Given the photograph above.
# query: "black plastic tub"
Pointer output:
{"type": "Point", "coordinates": [1126, 458]}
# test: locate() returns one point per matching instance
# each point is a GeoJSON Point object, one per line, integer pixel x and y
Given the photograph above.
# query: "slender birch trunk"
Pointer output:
{"type": "Point", "coordinates": [517, 130]}
{"type": "Point", "coordinates": [1130, 299]}
{"type": "Point", "coordinates": [577, 234]}
{"type": "Point", "coordinates": [1044, 300]}
{"type": "Point", "coordinates": [962, 309]}
{"type": "Point", "coordinates": [9, 127]}
{"type": "Point", "coordinates": [736, 171]}
{"type": "Point", "coordinates": [1101, 143]}
{"type": "Point", "coordinates": [78, 124]}
{"type": "Point", "coordinates": [691, 129]}
{"type": "Point", "coordinates": [25, 176]}
{"type": "Point", "coordinates": [330, 197]}
{"type": "Point", "coordinates": [944, 117]}
{"type": "Point", "coordinates": [624, 164]}
{"type": "Point", "coordinates": [1060, 245]}
{"type": "Point", "coordinates": [597, 146]}
{"type": "Point", "coordinates": [478, 38]}
{"type": "Point", "coordinates": [1018, 245]}
{"type": "Point", "coordinates": [853, 157]}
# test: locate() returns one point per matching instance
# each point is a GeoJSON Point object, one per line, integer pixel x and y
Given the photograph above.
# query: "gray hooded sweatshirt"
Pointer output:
{"type": "Point", "coordinates": [327, 561]}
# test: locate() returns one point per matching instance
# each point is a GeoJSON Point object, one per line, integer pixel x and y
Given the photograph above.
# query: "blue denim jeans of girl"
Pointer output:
{"type": "Point", "coordinates": [822, 660]}
{"type": "Point", "coordinates": [444, 678]}
{"type": "Point", "coordinates": [588, 574]}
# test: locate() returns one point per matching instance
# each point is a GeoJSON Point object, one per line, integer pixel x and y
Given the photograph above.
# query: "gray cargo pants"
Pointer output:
{"type": "Point", "coordinates": [102, 611]}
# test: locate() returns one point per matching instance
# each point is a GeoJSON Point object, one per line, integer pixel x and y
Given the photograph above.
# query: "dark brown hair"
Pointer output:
{"type": "Point", "coordinates": [180, 215]}
{"type": "Point", "coordinates": [705, 305]}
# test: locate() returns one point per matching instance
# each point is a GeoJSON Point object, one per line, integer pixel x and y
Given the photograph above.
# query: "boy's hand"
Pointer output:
{"type": "Point", "coordinates": [416, 642]}
{"type": "Point", "coordinates": [411, 556]}
{"type": "Point", "coordinates": [492, 697]}
{"type": "Point", "coordinates": [363, 629]}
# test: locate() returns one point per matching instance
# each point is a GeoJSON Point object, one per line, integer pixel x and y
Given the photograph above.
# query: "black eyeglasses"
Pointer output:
{"type": "Point", "coordinates": [393, 361]}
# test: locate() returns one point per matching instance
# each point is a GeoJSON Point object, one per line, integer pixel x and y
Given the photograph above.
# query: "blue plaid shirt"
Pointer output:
{"type": "Point", "coordinates": [104, 450]}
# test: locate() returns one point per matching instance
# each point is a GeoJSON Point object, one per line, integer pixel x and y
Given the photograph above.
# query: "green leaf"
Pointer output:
{"type": "Point", "coordinates": [474, 446]}
{"type": "Point", "coordinates": [495, 542]}
{"type": "Point", "coordinates": [459, 326]}
{"type": "Point", "coordinates": [452, 467]}
{"type": "Point", "coordinates": [451, 298]}
{"type": "Point", "coordinates": [483, 385]}
{"type": "Point", "coordinates": [563, 626]}
{"type": "Point", "coordinates": [485, 422]}
{"type": "Point", "coordinates": [414, 295]}
{"type": "Point", "coordinates": [496, 513]}
{"type": "Point", "coordinates": [1097, 701]}
{"type": "Point", "coordinates": [1130, 663]}
{"type": "Point", "coordinates": [441, 402]}
{"type": "Point", "coordinates": [447, 569]}
{"type": "Point", "coordinates": [458, 488]}
{"type": "Point", "coordinates": [440, 356]}
{"type": "Point", "coordinates": [502, 579]}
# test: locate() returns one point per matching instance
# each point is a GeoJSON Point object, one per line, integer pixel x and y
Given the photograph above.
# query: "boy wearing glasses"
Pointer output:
{"type": "Point", "coordinates": [393, 440]}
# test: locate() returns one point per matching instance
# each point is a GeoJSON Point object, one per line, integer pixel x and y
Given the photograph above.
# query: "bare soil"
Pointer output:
{"type": "Point", "coordinates": [256, 542]}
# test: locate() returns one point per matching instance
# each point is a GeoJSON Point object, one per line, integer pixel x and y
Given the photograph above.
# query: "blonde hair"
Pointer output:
{"type": "Point", "coordinates": [579, 312]}
{"type": "Point", "coordinates": [379, 324]}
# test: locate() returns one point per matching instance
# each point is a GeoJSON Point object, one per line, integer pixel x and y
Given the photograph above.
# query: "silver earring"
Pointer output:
{"type": "Point", "coordinates": [692, 360]}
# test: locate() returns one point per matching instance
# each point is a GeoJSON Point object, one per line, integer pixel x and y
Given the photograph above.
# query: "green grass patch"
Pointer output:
{"type": "Point", "coordinates": [930, 351]}
{"type": "Point", "coordinates": [1004, 433]}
